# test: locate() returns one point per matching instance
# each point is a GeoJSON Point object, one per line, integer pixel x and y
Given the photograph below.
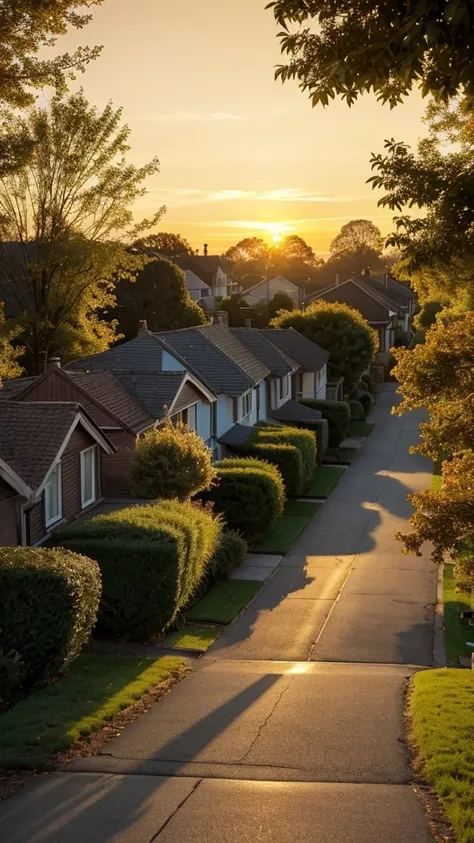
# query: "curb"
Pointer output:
{"type": "Point", "coordinates": [439, 651]}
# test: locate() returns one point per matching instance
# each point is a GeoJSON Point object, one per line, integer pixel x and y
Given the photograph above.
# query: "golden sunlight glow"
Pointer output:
{"type": "Point", "coordinates": [276, 238]}
{"type": "Point", "coordinates": [277, 230]}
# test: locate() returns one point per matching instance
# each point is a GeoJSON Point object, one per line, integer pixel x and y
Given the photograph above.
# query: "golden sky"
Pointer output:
{"type": "Point", "coordinates": [237, 149]}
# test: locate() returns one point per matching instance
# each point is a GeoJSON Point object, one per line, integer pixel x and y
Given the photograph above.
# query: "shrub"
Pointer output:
{"type": "Point", "coordinates": [12, 675]}
{"type": "Point", "coordinates": [152, 558]}
{"type": "Point", "coordinates": [304, 440]}
{"type": "Point", "coordinates": [229, 555]}
{"type": "Point", "coordinates": [287, 458]}
{"type": "Point", "coordinates": [248, 494]}
{"type": "Point", "coordinates": [170, 462]}
{"type": "Point", "coordinates": [367, 382]}
{"type": "Point", "coordinates": [357, 410]}
{"type": "Point", "coordinates": [367, 404]}
{"type": "Point", "coordinates": [338, 415]}
{"type": "Point", "coordinates": [48, 606]}
{"type": "Point", "coordinates": [320, 429]}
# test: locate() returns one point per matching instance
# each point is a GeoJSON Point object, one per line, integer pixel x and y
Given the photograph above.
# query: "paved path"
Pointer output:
{"type": "Point", "coordinates": [291, 729]}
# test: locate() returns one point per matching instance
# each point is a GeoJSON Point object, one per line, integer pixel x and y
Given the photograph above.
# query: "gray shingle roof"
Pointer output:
{"type": "Point", "coordinates": [237, 435]}
{"type": "Point", "coordinates": [107, 388]}
{"type": "Point", "coordinates": [154, 391]}
{"type": "Point", "coordinates": [222, 337]}
{"type": "Point", "coordinates": [142, 353]}
{"type": "Point", "coordinates": [10, 389]}
{"type": "Point", "coordinates": [273, 358]}
{"type": "Point", "coordinates": [380, 294]}
{"type": "Point", "coordinates": [308, 354]}
{"type": "Point", "coordinates": [293, 411]}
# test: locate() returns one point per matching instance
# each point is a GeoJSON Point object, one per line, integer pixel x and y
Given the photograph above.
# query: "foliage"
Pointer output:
{"type": "Point", "coordinates": [152, 559]}
{"type": "Point", "coordinates": [341, 330]}
{"type": "Point", "coordinates": [252, 260]}
{"type": "Point", "coordinates": [294, 248]}
{"type": "Point", "coordinates": [66, 214]}
{"type": "Point", "coordinates": [171, 461]}
{"type": "Point", "coordinates": [250, 497]}
{"type": "Point", "coordinates": [26, 28]}
{"type": "Point", "coordinates": [357, 410]}
{"type": "Point", "coordinates": [229, 554]}
{"type": "Point", "coordinates": [159, 295]}
{"type": "Point", "coordinates": [287, 458]}
{"type": "Point", "coordinates": [249, 258]}
{"type": "Point", "coordinates": [9, 354]}
{"type": "Point", "coordinates": [48, 608]}
{"type": "Point", "coordinates": [368, 382]}
{"type": "Point", "coordinates": [167, 244]}
{"type": "Point", "coordinates": [304, 440]}
{"type": "Point", "coordinates": [337, 414]}
{"type": "Point", "coordinates": [367, 404]}
{"type": "Point", "coordinates": [280, 301]}
{"type": "Point", "coordinates": [358, 240]}
{"type": "Point", "coordinates": [12, 675]}
{"type": "Point", "coordinates": [237, 310]}
{"type": "Point", "coordinates": [64, 713]}
{"type": "Point", "coordinates": [424, 45]}
{"type": "Point", "coordinates": [426, 317]}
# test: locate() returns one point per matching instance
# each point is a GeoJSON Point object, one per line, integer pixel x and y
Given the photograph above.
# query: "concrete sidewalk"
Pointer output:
{"type": "Point", "coordinates": [291, 728]}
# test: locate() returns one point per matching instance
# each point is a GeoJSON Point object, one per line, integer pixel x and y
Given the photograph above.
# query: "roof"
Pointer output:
{"type": "Point", "coordinates": [273, 358]}
{"type": "Point", "coordinates": [237, 435]}
{"type": "Point", "coordinates": [204, 266]}
{"type": "Point", "coordinates": [370, 305]}
{"type": "Point", "coordinates": [394, 286]}
{"type": "Point", "coordinates": [144, 353]}
{"type": "Point", "coordinates": [154, 391]}
{"type": "Point", "coordinates": [10, 389]}
{"type": "Point", "coordinates": [293, 411]}
{"type": "Point", "coordinates": [381, 294]}
{"type": "Point", "coordinates": [308, 354]}
{"type": "Point", "coordinates": [33, 434]}
{"type": "Point", "coordinates": [109, 389]}
{"type": "Point", "coordinates": [216, 357]}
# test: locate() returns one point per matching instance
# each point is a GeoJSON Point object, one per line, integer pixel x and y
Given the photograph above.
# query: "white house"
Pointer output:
{"type": "Point", "coordinates": [266, 289]}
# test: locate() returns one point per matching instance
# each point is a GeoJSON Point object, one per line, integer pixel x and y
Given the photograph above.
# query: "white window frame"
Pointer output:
{"type": "Point", "coordinates": [85, 503]}
{"type": "Point", "coordinates": [246, 401]}
{"type": "Point", "coordinates": [56, 472]}
{"type": "Point", "coordinates": [283, 388]}
{"type": "Point", "coordinates": [192, 421]}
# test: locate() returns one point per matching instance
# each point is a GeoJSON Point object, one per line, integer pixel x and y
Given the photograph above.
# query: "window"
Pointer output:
{"type": "Point", "coordinates": [52, 496]}
{"type": "Point", "coordinates": [283, 387]}
{"type": "Point", "coordinates": [246, 404]}
{"type": "Point", "coordinates": [88, 476]}
{"type": "Point", "coordinates": [188, 416]}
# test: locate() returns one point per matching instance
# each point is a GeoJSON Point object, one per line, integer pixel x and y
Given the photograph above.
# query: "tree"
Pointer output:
{"type": "Point", "coordinates": [249, 258]}
{"type": "Point", "coordinates": [294, 248]}
{"type": "Point", "coordinates": [342, 331]}
{"type": "Point", "coordinates": [66, 216]}
{"type": "Point", "coordinates": [358, 240]}
{"type": "Point", "coordinates": [171, 462]}
{"type": "Point", "coordinates": [237, 310]}
{"type": "Point", "coordinates": [280, 301]}
{"type": "Point", "coordinates": [427, 45]}
{"type": "Point", "coordinates": [158, 295]}
{"type": "Point", "coordinates": [26, 27]}
{"type": "Point", "coordinates": [9, 354]}
{"type": "Point", "coordinates": [169, 245]}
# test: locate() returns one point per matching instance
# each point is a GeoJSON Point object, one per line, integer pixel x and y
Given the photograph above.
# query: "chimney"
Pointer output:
{"type": "Point", "coordinates": [205, 250]}
{"type": "Point", "coordinates": [54, 363]}
{"type": "Point", "coordinates": [222, 317]}
{"type": "Point", "coordinates": [336, 280]}
{"type": "Point", "coordinates": [143, 328]}
{"type": "Point", "coordinates": [248, 323]}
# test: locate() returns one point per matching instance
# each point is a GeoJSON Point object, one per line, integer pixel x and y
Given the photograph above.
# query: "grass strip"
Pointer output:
{"type": "Point", "coordinates": [306, 508]}
{"type": "Point", "coordinates": [324, 479]}
{"type": "Point", "coordinates": [223, 602]}
{"type": "Point", "coordinates": [282, 536]}
{"type": "Point", "coordinates": [442, 715]}
{"type": "Point", "coordinates": [360, 428]}
{"type": "Point", "coordinates": [192, 637]}
{"type": "Point", "coordinates": [456, 631]}
{"type": "Point", "coordinates": [56, 717]}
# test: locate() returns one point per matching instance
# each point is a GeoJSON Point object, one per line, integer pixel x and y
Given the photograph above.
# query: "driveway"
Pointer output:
{"type": "Point", "coordinates": [291, 728]}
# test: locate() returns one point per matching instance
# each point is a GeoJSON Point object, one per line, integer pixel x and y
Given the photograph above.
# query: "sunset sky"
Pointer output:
{"type": "Point", "coordinates": [238, 151]}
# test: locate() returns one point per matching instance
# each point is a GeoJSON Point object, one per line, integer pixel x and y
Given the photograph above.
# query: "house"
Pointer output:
{"type": "Point", "coordinates": [211, 270]}
{"type": "Point", "coordinates": [310, 379]}
{"type": "Point", "coordinates": [266, 289]}
{"type": "Point", "coordinates": [50, 468]}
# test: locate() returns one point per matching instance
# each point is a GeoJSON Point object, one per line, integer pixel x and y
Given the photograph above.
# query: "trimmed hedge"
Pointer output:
{"type": "Point", "coordinates": [287, 458]}
{"type": "Point", "coordinates": [48, 606]}
{"type": "Point", "coordinates": [301, 438]}
{"type": "Point", "coordinates": [229, 555]}
{"type": "Point", "coordinates": [152, 559]}
{"type": "Point", "coordinates": [367, 404]}
{"type": "Point", "coordinates": [321, 430]}
{"type": "Point", "coordinates": [357, 410]}
{"type": "Point", "coordinates": [249, 495]}
{"type": "Point", "coordinates": [338, 415]}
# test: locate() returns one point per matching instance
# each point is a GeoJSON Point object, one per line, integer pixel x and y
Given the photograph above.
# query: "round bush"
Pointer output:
{"type": "Point", "coordinates": [357, 411]}
{"type": "Point", "coordinates": [367, 403]}
{"type": "Point", "coordinates": [48, 606]}
{"type": "Point", "coordinates": [338, 415]}
{"type": "Point", "coordinates": [171, 462]}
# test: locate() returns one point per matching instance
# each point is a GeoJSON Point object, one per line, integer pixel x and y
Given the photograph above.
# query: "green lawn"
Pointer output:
{"type": "Point", "coordinates": [282, 536]}
{"type": "Point", "coordinates": [324, 479]}
{"type": "Point", "coordinates": [95, 689]}
{"type": "Point", "coordinates": [223, 602]}
{"type": "Point", "coordinates": [360, 428]}
{"type": "Point", "coordinates": [345, 456]}
{"type": "Point", "coordinates": [306, 508]}
{"type": "Point", "coordinates": [456, 631]}
{"type": "Point", "coordinates": [192, 637]}
{"type": "Point", "coordinates": [442, 710]}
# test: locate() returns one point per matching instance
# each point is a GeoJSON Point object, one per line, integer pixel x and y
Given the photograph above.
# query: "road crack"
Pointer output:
{"type": "Point", "coordinates": [266, 721]}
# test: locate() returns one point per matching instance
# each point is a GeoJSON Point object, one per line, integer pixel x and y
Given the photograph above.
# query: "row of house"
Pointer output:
{"type": "Point", "coordinates": [67, 437]}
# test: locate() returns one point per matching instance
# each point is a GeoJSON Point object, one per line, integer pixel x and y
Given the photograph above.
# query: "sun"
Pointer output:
{"type": "Point", "coordinates": [276, 238]}
{"type": "Point", "coordinates": [277, 230]}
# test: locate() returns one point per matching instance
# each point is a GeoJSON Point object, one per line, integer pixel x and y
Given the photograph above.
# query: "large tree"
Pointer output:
{"type": "Point", "coordinates": [249, 258]}
{"type": "Point", "coordinates": [9, 354]}
{"type": "Point", "coordinates": [358, 241]}
{"type": "Point", "coordinates": [26, 28]}
{"type": "Point", "coordinates": [167, 244]}
{"type": "Point", "coordinates": [346, 48]}
{"type": "Point", "coordinates": [158, 295]}
{"type": "Point", "coordinates": [65, 220]}
{"type": "Point", "coordinates": [342, 331]}
{"type": "Point", "coordinates": [294, 249]}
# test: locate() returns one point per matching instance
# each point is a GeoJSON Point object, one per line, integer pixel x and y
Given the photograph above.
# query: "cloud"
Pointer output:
{"type": "Point", "coordinates": [195, 117]}
{"type": "Point", "coordinates": [182, 197]}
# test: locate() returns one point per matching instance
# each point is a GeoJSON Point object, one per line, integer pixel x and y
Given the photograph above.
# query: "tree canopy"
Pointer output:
{"type": "Point", "coordinates": [9, 354]}
{"type": "Point", "coordinates": [26, 28]}
{"type": "Point", "coordinates": [65, 220]}
{"type": "Point", "coordinates": [358, 240]}
{"type": "Point", "coordinates": [294, 249]}
{"type": "Point", "coordinates": [342, 331]}
{"type": "Point", "coordinates": [168, 244]}
{"type": "Point", "coordinates": [344, 49]}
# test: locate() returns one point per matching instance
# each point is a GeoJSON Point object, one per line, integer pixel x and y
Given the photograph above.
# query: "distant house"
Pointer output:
{"type": "Point", "coordinates": [310, 378]}
{"type": "Point", "coordinates": [50, 468]}
{"type": "Point", "coordinates": [266, 289]}
{"type": "Point", "coordinates": [212, 271]}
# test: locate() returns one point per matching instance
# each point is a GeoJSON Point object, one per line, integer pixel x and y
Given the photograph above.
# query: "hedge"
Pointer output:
{"type": "Point", "coordinates": [338, 415]}
{"type": "Point", "coordinates": [152, 559]}
{"type": "Point", "coordinates": [229, 555]}
{"type": "Point", "coordinates": [321, 431]}
{"type": "Point", "coordinates": [48, 606]}
{"type": "Point", "coordinates": [249, 495]}
{"type": "Point", "coordinates": [304, 440]}
{"type": "Point", "coordinates": [367, 403]}
{"type": "Point", "coordinates": [287, 458]}
{"type": "Point", "coordinates": [357, 410]}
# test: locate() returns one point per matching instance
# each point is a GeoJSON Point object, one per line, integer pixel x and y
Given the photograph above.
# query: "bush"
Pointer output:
{"type": "Point", "coordinates": [152, 559]}
{"type": "Point", "coordinates": [12, 675]}
{"type": "Point", "coordinates": [229, 555]}
{"type": "Point", "coordinates": [357, 410]}
{"type": "Point", "coordinates": [338, 415]}
{"type": "Point", "coordinates": [170, 462]}
{"type": "Point", "coordinates": [48, 606]}
{"type": "Point", "coordinates": [303, 439]}
{"type": "Point", "coordinates": [287, 458]}
{"type": "Point", "coordinates": [249, 495]}
{"type": "Point", "coordinates": [367, 404]}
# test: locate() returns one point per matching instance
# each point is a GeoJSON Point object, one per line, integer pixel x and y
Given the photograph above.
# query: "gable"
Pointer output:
{"type": "Point", "coordinates": [187, 395]}
{"type": "Point", "coordinates": [349, 293]}
{"type": "Point", "coordinates": [58, 388]}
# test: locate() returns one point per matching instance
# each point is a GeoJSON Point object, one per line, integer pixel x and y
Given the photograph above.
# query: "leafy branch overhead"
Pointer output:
{"type": "Point", "coordinates": [346, 48]}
